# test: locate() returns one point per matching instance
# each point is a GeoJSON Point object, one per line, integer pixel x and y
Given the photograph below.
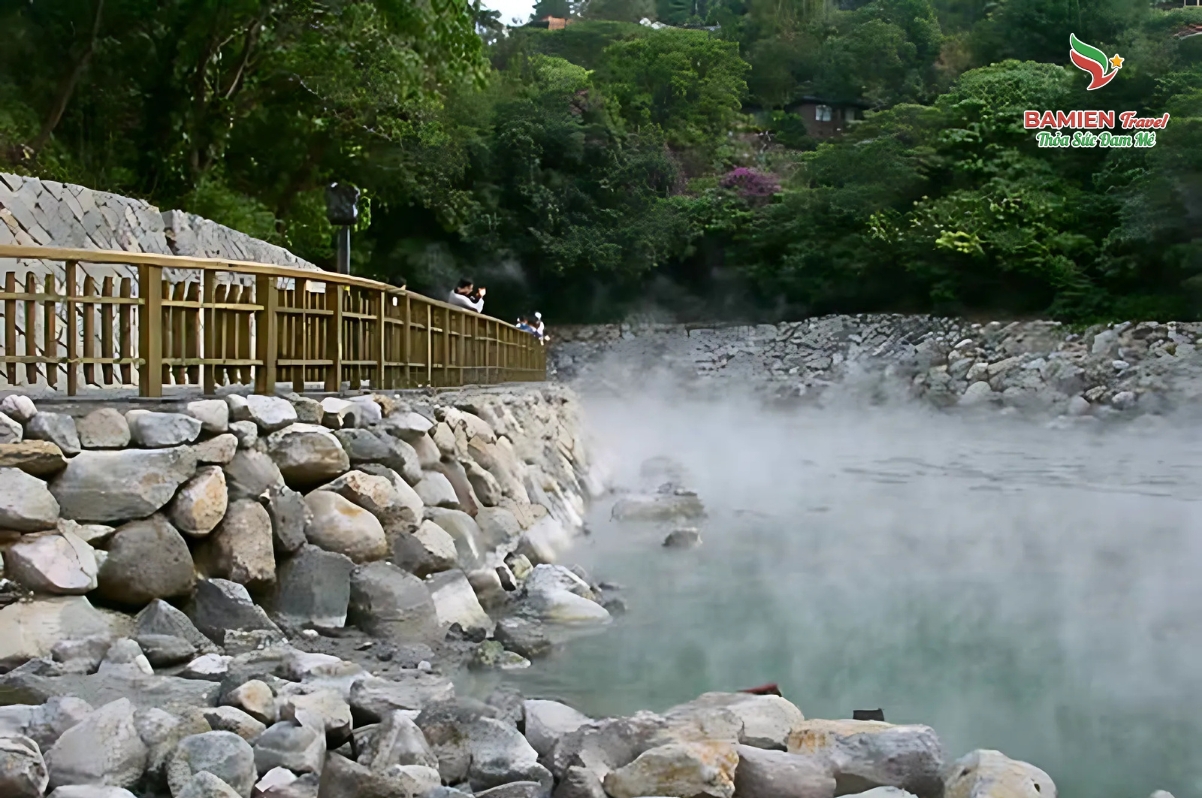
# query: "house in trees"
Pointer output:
{"type": "Point", "coordinates": [551, 23]}
{"type": "Point", "coordinates": [823, 118]}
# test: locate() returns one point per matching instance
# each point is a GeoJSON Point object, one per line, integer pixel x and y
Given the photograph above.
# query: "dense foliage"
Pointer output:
{"type": "Point", "coordinates": [611, 165]}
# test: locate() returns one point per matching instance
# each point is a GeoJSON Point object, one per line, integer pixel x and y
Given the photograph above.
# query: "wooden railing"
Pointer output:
{"type": "Point", "coordinates": [233, 323]}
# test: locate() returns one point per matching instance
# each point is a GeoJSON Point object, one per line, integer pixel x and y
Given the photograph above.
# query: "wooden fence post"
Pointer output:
{"type": "Point", "coordinates": [150, 331]}
{"type": "Point", "coordinates": [72, 331]}
{"type": "Point", "coordinates": [334, 295]}
{"type": "Point", "coordinates": [267, 333]}
{"type": "Point", "coordinates": [379, 383]}
{"type": "Point", "coordinates": [406, 343]}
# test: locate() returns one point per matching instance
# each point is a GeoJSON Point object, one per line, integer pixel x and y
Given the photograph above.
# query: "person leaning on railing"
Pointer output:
{"type": "Point", "coordinates": [466, 295]}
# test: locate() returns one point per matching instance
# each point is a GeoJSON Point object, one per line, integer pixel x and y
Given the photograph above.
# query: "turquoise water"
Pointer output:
{"type": "Point", "coordinates": [1018, 588]}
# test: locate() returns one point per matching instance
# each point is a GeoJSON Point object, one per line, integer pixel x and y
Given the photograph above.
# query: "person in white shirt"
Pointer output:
{"type": "Point", "coordinates": [539, 328]}
{"type": "Point", "coordinates": [466, 295]}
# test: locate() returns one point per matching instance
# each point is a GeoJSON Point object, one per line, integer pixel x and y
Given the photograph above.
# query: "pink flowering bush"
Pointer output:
{"type": "Point", "coordinates": [750, 184]}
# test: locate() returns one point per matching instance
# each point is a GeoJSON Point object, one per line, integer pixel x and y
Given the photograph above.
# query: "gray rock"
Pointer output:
{"type": "Point", "coordinates": [299, 748]}
{"type": "Point", "coordinates": [205, 785]}
{"type": "Point", "coordinates": [683, 538]}
{"type": "Point", "coordinates": [978, 393]}
{"type": "Point", "coordinates": [455, 602]}
{"type": "Point", "coordinates": [523, 636]}
{"type": "Point", "coordinates": [216, 451]}
{"type": "Point", "coordinates": [10, 431]}
{"type": "Point", "coordinates": [342, 778]}
{"type": "Point", "coordinates": [374, 699]}
{"type": "Point", "coordinates": [165, 650]}
{"type": "Point", "coordinates": [146, 560]}
{"type": "Point", "coordinates": [314, 589]}
{"type": "Point", "coordinates": [427, 452]}
{"type": "Point", "coordinates": [59, 564]}
{"type": "Point", "coordinates": [486, 487]}
{"type": "Point", "coordinates": [340, 526]}
{"type": "Point", "coordinates": [58, 428]}
{"type": "Point", "coordinates": [48, 721]}
{"type": "Point", "coordinates": [220, 605]}
{"type": "Point", "coordinates": [464, 531]}
{"type": "Point", "coordinates": [388, 602]}
{"type": "Point", "coordinates": [447, 726]}
{"type": "Point", "coordinates": [547, 721]}
{"type": "Point", "coordinates": [500, 755]}
{"type": "Point", "coordinates": [412, 505]}
{"type": "Point", "coordinates": [658, 507]}
{"type": "Point", "coordinates": [117, 486]}
{"type": "Point", "coordinates": [397, 741]}
{"type": "Point", "coordinates": [152, 430]}
{"type": "Point", "coordinates": [865, 754]}
{"type": "Point", "coordinates": [29, 630]}
{"type": "Point", "coordinates": [368, 446]}
{"type": "Point", "coordinates": [408, 426]}
{"type": "Point", "coordinates": [251, 474]}
{"type": "Point", "coordinates": [232, 719]}
{"type": "Point", "coordinates": [498, 526]}
{"type": "Point", "coordinates": [308, 411]}
{"type": "Point", "coordinates": [77, 758]}
{"type": "Point", "coordinates": [776, 774]}
{"type": "Point", "coordinates": [240, 548]}
{"type": "Point", "coordinates": [427, 550]}
{"type": "Point", "coordinates": [435, 490]}
{"type": "Point", "coordinates": [580, 783]}
{"type": "Point", "coordinates": [22, 769]}
{"type": "Point", "coordinates": [26, 505]}
{"type": "Point", "coordinates": [124, 653]}
{"type": "Point", "coordinates": [105, 428]}
{"type": "Point", "coordinates": [161, 732]}
{"type": "Point", "coordinates": [307, 455]}
{"type": "Point", "coordinates": [224, 754]}
{"type": "Point", "coordinates": [247, 433]}
{"type": "Point", "coordinates": [81, 655]}
{"type": "Point", "coordinates": [289, 516]}
{"type": "Point", "coordinates": [606, 745]}
{"type": "Point", "coordinates": [18, 407]}
{"type": "Point", "coordinates": [200, 503]}
{"type": "Point", "coordinates": [517, 789]}
{"type": "Point", "coordinates": [457, 476]}
{"type": "Point", "coordinates": [159, 618]}
{"type": "Point", "coordinates": [213, 415]}
{"type": "Point", "coordinates": [164, 692]}
{"type": "Point", "coordinates": [767, 720]}
{"type": "Point", "coordinates": [270, 413]}
{"type": "Point", "coordinates": [338, 413]}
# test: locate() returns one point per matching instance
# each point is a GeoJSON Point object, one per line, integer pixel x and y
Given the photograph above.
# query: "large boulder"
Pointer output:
{"type": "Point", "coordinates": [22, 768]}
{"type": "Point", "coordinates": [435, 490]}
{"type": "Point", "coordinates": [397, 741]}
{"type": "Point", "coordinates": [464, 531]}
{"type": "Point", "coordinates": [29, 630]}
{"type": "Point", "coordinates": [307, 455]}
{"type": "Point", "coordinates": [992, 774]}
{"type": "Point", "coordinates": [498, 526]}
{"type": "Point", "coordinates": [289, 516]}
{"type": "Point", "coordinates": [201, 503]}
{"type": "Point", "coordinates": [388, 602]}
{"type": "Point", "coordinates": [152, 430]}
{"type": "Point", "coordinates": [547, 721]}
{"type": "Point", "coordinates": [426, 550]}
{"type": "Point", "coordinates": [251, 474]}
{"type": "Point", "coordinates": [314, 589]}
{"type": "Point", "coordinates": [297, 747]}
{"type": "Point", "coordinates": [768, 720]}
{"type": "Point", "coordinates": [58, 564]}
{"type": "Point", "coordinates": [553, 594]}
{"type": "Point", "coordinates": [373, 699]}
{"type": "Point", "coordinates": [26, 505]}
{"type": "Point", "coordinates": [777, 774]}
{"type": "Point", "coordinates": [499, 754]}
{"type": "Point", "coordinates": [104, 749]}
{"type": "Point", "coordinates": [118, 486]}
{"type": "Point", "coordinates": [44, 723]}
{"type": "Point", "coordinates": [376, 494]}
{"type": "Point", "coordinates": [220, 606]}
{"type": "Point", "coordinates": [605, 745]}
{"type": "Point", "coordinates": [408, 426]}
{"type": "Point", "coordinates": [224, 754]}
{"type": "Point", "coordinates": [105, 428]}
{"type": "Point", "coordinates": [365, 446]}
{"type": "Point", "coordinates": [457, 476]}
{"type": "Point", "coordinates": [159, 618]}
{"type": "Point", "coordinates": [58, 428]}
{"type": "Point", "coordinates": [241, 549]}
{"type": "Point", "coordinates": [864, 754]}
{"type": "Point", "coordinates": [146, 560]}
{"type": "Point", "coordinates": [18, 407]}
{"type": "Point", "coordinates": [340, 526]}
{"type": "Point", "coordinates": [693, 769]}
{"type": "Point", "coordinates": [455, 602]}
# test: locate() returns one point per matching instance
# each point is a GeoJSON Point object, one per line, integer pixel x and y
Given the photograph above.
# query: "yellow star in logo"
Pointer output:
{"type": "Point", "coordinates": [1117, 61]}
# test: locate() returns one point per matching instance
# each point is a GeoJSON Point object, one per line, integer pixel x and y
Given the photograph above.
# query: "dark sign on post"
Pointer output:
{"type": "Point", "coordinates": [342, 211]}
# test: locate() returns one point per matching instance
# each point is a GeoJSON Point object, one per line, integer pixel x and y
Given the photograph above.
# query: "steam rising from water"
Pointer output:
{"type": "Point", "coordinates": [1015, 587]}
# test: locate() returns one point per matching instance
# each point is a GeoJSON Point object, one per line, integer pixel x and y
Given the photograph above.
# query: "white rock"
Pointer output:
{"type": "Point", "coordinates": [776, 774]}
{"type": "Point", "coordinates": [307, 455]}
{"type": "Point", "coordinates": [270, 413]}
{"type": "Point", "coordinates": [456, 602]}
{"type": "Point", "coordinates": [79, 756]}
{"type": "Point", "coordinates": [60, 564]}
{"type": "Point", "coordinates": [213, 415]}
{"type": "Point", "coordinates": [218, 450]}
{"type": "Point", "coordinates": [26, 504]}
{"type": "Point", "coordinates": [874, 753]}
{"type": "Point", "coordinates": [31, 629]}
{"type": "Point", "coordinates": [91, 791]}
{"type": "Point", "coordinates": [208, 667]}
{"type": "Point", "coordinates": [105, 428]}
{"type": "Point", "coordinates": [986, 774]}
{"type": "Point", "coordinates": [152, 430]}
{"type": "Point", "coordinates": [10, 431]}
{"type": "Point", "coordinates": [768, 720]}
{"type": "Point", "coordinates": [547, 721]}
{"type": "Point", "coordinates": [200, 503]}
{"type": "Point", "coordinates": [978, 393]}
{"type": "Point", "coordinates": [435, 491]}
{"type": "Point", "coordinates": [18, 407]}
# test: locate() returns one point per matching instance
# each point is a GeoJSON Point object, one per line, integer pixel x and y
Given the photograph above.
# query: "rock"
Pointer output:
{"type": "Point", "coordinates": [992, 774]}
{"type": "Point", "coordinates": [580, 783]}
{"type": "Point", "coordinates": [520, 565]}
{"type": "Point", "coordinates": [22, 769]}
{"type": "Point", "coordinates": [375, 494]}
{"type": "Point", "coordinates": [152, 430]}
{"type": "Point", "coordinates": [219, 605]}
{"type": "Point", "coordinates": [369, 409]}
{"type": "Point", "coordinates": [223, 754]}
{"type": "Point", "coordinates": [90, 791]}
{"type": "Point", "coordinates": [605, 745]}
{"type": "Point", "coordinates": [547, 721]}
{"type": "Point", "coordinates": [457, 476]}
{"type": "Point", "coordinates": [92, 534]}
{"type": "Point", "coordinates": [693, 769]}
{"type": "Point", "coordinates": [208, 668]}
{"type": "Point", "coordinates": [427, 550]}
{"type": "Point", "coordinates": [205, 785]}
{"type": "Point", "coordinates": [463, 529]}
{"type": "Point", "coordinates": [865, 754]}
{"type": "Point", "coordinates": [491, 654]}
{"type": "Point", "coordinates": [444, 439]}
{"type": "Point", "coordinates": [552, 593]}
{"type": "Point", "coordinates": [338, 525]}
{"type": "Point", "coordinates": [388, 602]}
{"type": "Point", "coordinates": [118, 486]}
{"type": "Point", "coordinates": [81, 655]}
{"type": "Point", "coordinates": [289, 516]}
{"type": "Point", "coordinates": [161, 732]}
{"type": "Point", "coordinates": [412, 507]}
{"type": "Point", "coordinates": [254, 698]}
{"type": "Point", "coordinates": [684, 538]}
{"type": "Point", "coordinates": [307, 455]}
{"type": "Point", "coordinates": [308, 411]}
{"type": "Point", "coordinates": [320, 708]}
{"type": "Point", "coordinates": [241, 548]}
{"type": "Point", "coordinates": [776, 774]}
{"type": "Point", "coordinates": [201, 502]}
{"type": "Point", "coordinates": [105, 428]}
{"type": "Point", "coordinates": [58, 564]}
{"type": "Point", "coordinates": [48, 721]}
{"type": "Point", "coordinates": [251, 474]}
{"type": "Point", "coordinates": [18, 407]}
{"type": "Point", "coordinates": [484, 485]}
{"type": "Point", "coordinates": [497, 526]}
{"type": "Point", "coordinates": [397, 741]}
{"type": "Point", "coordinates": [276, 778]}
{"type": "Point", "coordinates": [370, 447]}
{"type": "Point", "coordinates": [77, 758]}
{"type": "Point", "coordinates": [1079, 406]}
{"type": "Point", "coordinates": [516, 789]}
{"type": "Point", "coordinates": [373, 699]}
{"type": "Point", "coordinates": [543, 541]}
{"type": "Point", "coordinates": [342, 778]}
{"type": "Point", "coordinates": [300, 749]}
{"type": "Point", "coordinates": [314, 589]}
{"type": "Point", "coordinates": [10, 431]}
{"type": "Point", "coordinates": [247, 433]}
{"type": "Point", "coordinates": [523, 637]}
{"type": "Point", "coordinates": [455, 602]}
{"type": "Point", "coordinates": [767, 720]}
{"type": "Point", "coordinates": [146, 560]}
{"type": "Point", "coordinates": [26, 505]}
{"type": "Point", "coordinates": [338, 413]}
{"type": "Point", "coordinates": [427, 453]}
{"type": "Point", "coordinates": [486, 751]}
{"type": "Point", "coordinates": [488, 587]}
{"type": "Point", "coordinates": [36, 458]}
{"type": "Point", "coordinates": [435, 491]}
{"type": "Point", "coordinates": [165, 650]}
{"type": "Point", "coordinates": [658, 507]}
{"type": "Point", "coordinates": [216, 451]}
{"type": "Point", "coordinates": [232, 719]}
{"type": "Point", "coordinates": [978, 393]}
{"type": "Point", "coordinates": [124, 653]}
{"type": "Point", "coordinates": [161, 619]}
{"type": "Point", "coordinates": [29, 630]}
{"type": "Point", "coordinates": [269, 413]}
{"type": "Point", "coordinates": [213, 415]}
{"type": "Point", "coordinates": [408, 426]}
{"type": "Point", "coordinates": [58, 428]}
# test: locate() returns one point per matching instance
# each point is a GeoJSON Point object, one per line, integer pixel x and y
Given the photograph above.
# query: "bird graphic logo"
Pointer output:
{"type": "Point", "coordinates": [1090, 59]}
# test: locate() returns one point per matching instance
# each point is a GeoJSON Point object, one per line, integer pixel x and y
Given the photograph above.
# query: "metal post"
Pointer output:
{"type": "Point", "coordinates": [342, 239]}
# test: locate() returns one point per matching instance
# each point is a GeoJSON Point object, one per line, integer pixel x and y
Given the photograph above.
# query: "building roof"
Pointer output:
{"type": "Point", "coordinates": [810, 99]}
